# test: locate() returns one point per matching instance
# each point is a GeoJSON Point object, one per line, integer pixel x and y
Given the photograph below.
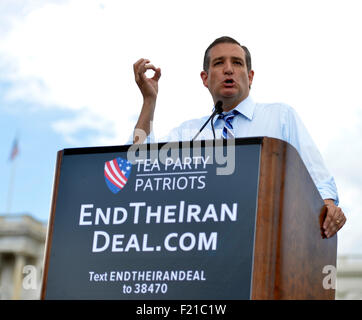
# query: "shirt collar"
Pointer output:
{"type": "Point", "coordinates": [245, 107]}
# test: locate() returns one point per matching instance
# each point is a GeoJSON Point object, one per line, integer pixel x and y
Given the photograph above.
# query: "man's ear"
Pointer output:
{"type": "Point", "coordinates": [251, 77]}
{"type": "Point", "coordinates": [204, 77]}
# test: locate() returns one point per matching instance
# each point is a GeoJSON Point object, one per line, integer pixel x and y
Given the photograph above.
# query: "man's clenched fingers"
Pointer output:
{"type": "Point", "coordinates": [334, 220]}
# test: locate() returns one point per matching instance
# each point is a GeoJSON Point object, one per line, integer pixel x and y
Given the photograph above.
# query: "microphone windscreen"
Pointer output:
{"type": "Point", "coordinates": [218, 107]}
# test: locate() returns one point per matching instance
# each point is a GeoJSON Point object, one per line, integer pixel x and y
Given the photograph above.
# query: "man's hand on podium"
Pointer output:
{"type": "Point", "coordinates": [334, 220]}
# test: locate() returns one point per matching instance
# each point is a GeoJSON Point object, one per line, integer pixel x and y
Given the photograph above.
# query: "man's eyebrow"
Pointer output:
{"type": "Point", "coordinates": [218, 58]}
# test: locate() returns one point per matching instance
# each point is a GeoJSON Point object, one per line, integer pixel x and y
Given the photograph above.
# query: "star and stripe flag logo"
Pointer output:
{"type": "Point", "coordinates": [116, 173]}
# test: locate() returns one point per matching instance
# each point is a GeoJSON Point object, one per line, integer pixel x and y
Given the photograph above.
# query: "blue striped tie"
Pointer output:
{"type": "Point", "coordinates": [227, 131]}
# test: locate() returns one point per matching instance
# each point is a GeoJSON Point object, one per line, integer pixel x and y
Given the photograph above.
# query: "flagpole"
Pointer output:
{"type": "Point", "coordinates": [11, 187]}
{"type": "Point", "coordinates": [12, 158]}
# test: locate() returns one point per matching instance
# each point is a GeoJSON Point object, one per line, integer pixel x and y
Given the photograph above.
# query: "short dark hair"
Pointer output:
{"type": "Point", "coordinates": [225, 39]}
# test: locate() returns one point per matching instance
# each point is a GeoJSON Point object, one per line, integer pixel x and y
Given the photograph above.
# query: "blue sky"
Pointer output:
{"type": "Point", "coordinates": [35, 163]}
{"type": "Point", "coordinates": [66, 80]}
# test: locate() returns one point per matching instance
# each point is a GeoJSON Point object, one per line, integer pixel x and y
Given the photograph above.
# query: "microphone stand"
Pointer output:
{"type": "Point", "coordinates": [217, 110]}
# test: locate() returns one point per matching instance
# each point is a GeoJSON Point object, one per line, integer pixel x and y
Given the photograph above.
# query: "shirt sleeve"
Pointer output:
{"type": "Point", "coordinates": [297, 135]}
{"type": "Point", "coordinates": [149, 139]}
{"type": "Point", "coordinates": [183, 132]}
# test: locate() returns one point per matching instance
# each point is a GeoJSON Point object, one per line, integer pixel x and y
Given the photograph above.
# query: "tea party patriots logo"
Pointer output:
{"type": "Point", "coordinates": [116, 173]}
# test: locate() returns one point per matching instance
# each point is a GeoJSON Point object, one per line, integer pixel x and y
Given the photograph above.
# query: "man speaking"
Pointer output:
{"type": "Point", "coordinates": [228, 75]}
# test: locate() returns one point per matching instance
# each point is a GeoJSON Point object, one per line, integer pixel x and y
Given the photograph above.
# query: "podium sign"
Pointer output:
{"type": "Point", "coordinates": [170, 228]}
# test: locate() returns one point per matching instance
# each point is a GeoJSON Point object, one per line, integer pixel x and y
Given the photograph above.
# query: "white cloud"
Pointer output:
{"type": "Point", "coordinates": [78, 55]}
{"type": "Point", "coordinates": [72, 128]}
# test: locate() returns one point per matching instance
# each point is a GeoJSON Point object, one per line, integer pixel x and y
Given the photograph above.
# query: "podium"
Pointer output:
{"type": "Point", "coordinates": [209, 220]}
{"type": "Point", "coordinates": [289, 249]}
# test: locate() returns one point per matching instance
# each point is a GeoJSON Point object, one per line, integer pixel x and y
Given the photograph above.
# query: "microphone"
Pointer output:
{"type": "Point", "coordinates": [217, 110]}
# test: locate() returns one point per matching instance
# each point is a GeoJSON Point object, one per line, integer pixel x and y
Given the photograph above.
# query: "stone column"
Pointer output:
{"type": "Point", "coordinates": [18, 276]}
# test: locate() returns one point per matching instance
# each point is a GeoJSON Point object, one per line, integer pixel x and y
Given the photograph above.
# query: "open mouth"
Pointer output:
{"type": "Point", "coordinates": [228, 83]}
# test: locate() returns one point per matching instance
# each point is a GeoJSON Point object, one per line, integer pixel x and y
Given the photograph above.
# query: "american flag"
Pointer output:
{"type": "Point", "coordinates": [14, 150]}
{"type": "Point", "coordinates": [116, 173]}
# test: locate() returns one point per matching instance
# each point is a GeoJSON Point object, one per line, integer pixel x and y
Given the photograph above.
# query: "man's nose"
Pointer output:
{"type": "Point", "coordinates": [228, 68]}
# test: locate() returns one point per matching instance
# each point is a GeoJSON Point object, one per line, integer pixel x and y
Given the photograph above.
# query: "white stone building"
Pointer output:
{"type": "Point", "coordinates": [349, 277]}
{"type": "Point", "coordinates": [22, 240]}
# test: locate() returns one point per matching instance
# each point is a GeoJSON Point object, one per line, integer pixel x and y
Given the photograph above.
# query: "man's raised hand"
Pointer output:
{"type": "Point", "coordinates": [148, 86]}
{"type": "Point", "coordinates": [149, 90]}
